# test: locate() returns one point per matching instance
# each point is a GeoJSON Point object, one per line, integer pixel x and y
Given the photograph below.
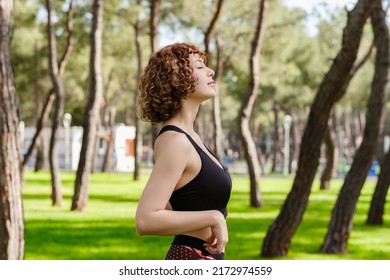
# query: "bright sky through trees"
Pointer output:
{"type": "Point", "coordinates": [310, 5]}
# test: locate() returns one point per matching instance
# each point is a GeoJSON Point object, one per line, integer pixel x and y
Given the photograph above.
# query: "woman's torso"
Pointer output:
{"type": "Point", "coordinates": [204, 185]}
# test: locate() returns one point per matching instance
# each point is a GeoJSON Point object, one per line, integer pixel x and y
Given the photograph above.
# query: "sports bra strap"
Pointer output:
{"type": "Point", "coordinates": [177, 129]}
{"type": "Point", "coordinates": [171, 127]}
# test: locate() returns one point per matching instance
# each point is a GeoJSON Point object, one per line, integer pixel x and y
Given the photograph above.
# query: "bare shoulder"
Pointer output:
{"type": "Point", "coordinates": [173, 143]}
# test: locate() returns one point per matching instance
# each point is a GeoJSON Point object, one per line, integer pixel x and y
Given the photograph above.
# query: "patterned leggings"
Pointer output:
{"type": "Point", "coordinates": [185, 247]}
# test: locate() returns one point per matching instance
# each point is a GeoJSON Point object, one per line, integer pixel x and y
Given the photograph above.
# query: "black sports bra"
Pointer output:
{"type": "Point", "coordinates": [209, 190]}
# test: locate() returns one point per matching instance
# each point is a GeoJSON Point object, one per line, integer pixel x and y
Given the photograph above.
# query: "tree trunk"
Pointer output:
{"type": "Point", "coordinates": [217, 123]}
{"type": "Point", "coordinates": [377, 206]}
{"type": "Point", "coordinates": [282, 229]}
{"type": "Point", "coordinates": [341, 222]}
{"type": "Point", "coordinates": [153, 23]}
{"type": "Point", "coordinates": [80, 196]}
{"type": "Point", "coordinates": [296, 138]}
{"type": "Point", "coordinates": [40, 124]}
{"type": "Point", "coordinates": [107, 120]}
{"type": "Point", "coordinates": [45, 111]}
{"type": "Point", "coordinates": [137, 121]}
{"type": "Point", "coordinates": [40, 157]}
{"type": "Point", "coordinates": [351, 134]}
{"type": "Point", "coordinates": [210, 28]}
{"type": "Point", "coordinates": [349, 148]}
{"type": "Point", "coordinates": [11, 208]}
{"type": "Point", "coordinates": [216, 115]}
{"type": "Point", "coordinates": [56, 185]}
{"type": "Point", "coordinates": [331, 155]}
{"type": "Point", "coordinates": [276, 151]}
{"type": "Point", "coordinates": [95, 149]}
{"type": "Point", "coordinates": [247, 106]}
{"type": "Point", "coordinates": [110, 140]}
{"type": "Point", "coordinates": [38, 106]}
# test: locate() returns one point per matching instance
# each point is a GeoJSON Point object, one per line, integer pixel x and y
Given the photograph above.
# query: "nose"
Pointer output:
{"type": "Point", "coordinates": [211, 72]}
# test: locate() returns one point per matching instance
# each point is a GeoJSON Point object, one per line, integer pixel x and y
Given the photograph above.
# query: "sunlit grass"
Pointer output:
{"type": "Point", "coordinates": [106, 229]}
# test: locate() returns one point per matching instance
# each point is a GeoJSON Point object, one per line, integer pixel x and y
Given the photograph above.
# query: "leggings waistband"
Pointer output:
{"type": "Point", "coordinates": [189, 241]}
{"type": "Point", "coordinates": [196, 243]}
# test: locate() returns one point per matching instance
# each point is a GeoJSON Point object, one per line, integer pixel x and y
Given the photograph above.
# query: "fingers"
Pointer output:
{"type": "Point", "coordinates": [215, 247]}
{"type": "Point", "coordinates": [219, 237]}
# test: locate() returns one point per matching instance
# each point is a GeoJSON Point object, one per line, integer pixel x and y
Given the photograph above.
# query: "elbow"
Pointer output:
{"type": "Point", "coordinates": [140, 227]}
{"type": "Point", "coordinates": [147, 224]}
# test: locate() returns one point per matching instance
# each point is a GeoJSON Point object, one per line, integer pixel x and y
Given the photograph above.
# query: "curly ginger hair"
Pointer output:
{"type": "Point", "coordinates": [166, 81]}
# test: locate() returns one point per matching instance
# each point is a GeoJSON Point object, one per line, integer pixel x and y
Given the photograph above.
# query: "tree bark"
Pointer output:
{"type": "Point", "coordinates": [39, 159]}
{"type": "Point", "coordinates": [331, 149]}
{"type": "Point", "coordinates": [217, 123]}
{"type": "Point", "coordinates": [377, 205]}
{"type": "Point", "coordinates": [137, 121]}
{"type": "Point", "coordinates": [210, 28]}
{"type": "Point", "coordinates": [247, 106]}
{"type": "Point", "coordinates": [153, 23]}
{"type": "Point", "coordinates": [276, 136]}
{"type": "Point", "coordinates": [341, 222]}
{"type": "Point", "coordinates": [216, 116]}
{"type": "Point", "coordinates": [331, 155]}
{"type": "Point", "coordinates": [282, 229]}
{"type": "Point", "coordinates": [110, 140]}
{"type": "Point", "coordinates": [107, 118]}
{"type": "Point", "coordinates": [44, 115]}
{"type": "Point", "coordinates": [296, 138]}
{"type": "Point", "coordinates": [40, 124]}
{"type": "Point", "coordinates": [56, 185]}
{"type": "Point", "coordinates": [11, 208]}
{"type": "Point", "coordinates": [90, 122]}
{"type": "Point", "coordinates": [349, 148]}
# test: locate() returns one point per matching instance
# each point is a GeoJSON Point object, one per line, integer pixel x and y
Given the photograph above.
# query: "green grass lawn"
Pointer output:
{"type": "Point", "coordinates": [106, 229]}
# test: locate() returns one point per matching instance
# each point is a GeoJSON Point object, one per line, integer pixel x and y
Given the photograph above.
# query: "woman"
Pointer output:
{"type": "Point", "coordinates": [188, 190]}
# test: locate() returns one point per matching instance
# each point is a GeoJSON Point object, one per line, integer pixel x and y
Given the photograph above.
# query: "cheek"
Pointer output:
{"type": "Point", "coordinates": [196, 81]}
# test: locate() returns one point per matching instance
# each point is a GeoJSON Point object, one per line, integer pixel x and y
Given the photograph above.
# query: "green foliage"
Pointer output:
{"type": "Point", "coordinates": [106, 229]}
{"type": "Point", "coordinates": [292, 64]}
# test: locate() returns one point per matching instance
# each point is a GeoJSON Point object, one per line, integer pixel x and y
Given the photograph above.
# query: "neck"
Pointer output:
{"type": "Point", "coordinates": [185, 117]}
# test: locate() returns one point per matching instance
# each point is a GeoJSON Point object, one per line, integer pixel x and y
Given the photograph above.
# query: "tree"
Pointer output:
{"type": "Point", "coordinates": [44, 114]}
{"type": "Point", "coordinates": [153, 24]}
{"type": "Point", "coordinates": [59, 91]}
{"type": "Point", "coordinates": [217, 122]}
{"type": "Point", "coordinates": [331, 153]}
{"type": "Point", "coordinates": [377, 205]}
{"type": "Point", "coordinates": [11, 209]}
{"type": "Point", "coordinates": [80, 196]}
{"type": "Point", "coordinates": [247, 106]}
{"type": "Point", "coordinates": [218, 73]}
{"type": "Point", "coordinates": [137, 121]}
{"type": "Point", "coordinates": [378, 201]}
{"type": "Point", "coordinates": [331, 150]}
{"type": "Point", "coordinates": [341, 221]}
{"type": "Point", "coordinates": [282, 229]}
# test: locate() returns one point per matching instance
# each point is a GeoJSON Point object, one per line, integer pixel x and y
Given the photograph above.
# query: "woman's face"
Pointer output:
{"type": "Point", "coordinates": [205, 85]}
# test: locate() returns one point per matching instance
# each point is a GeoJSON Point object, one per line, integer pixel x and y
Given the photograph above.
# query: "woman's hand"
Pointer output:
{"type": "Point", "coordinates": [219, 236]}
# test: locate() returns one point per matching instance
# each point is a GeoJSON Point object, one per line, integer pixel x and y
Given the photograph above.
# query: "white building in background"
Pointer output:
{"type": "Point", "coordinates": [69, 146]}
